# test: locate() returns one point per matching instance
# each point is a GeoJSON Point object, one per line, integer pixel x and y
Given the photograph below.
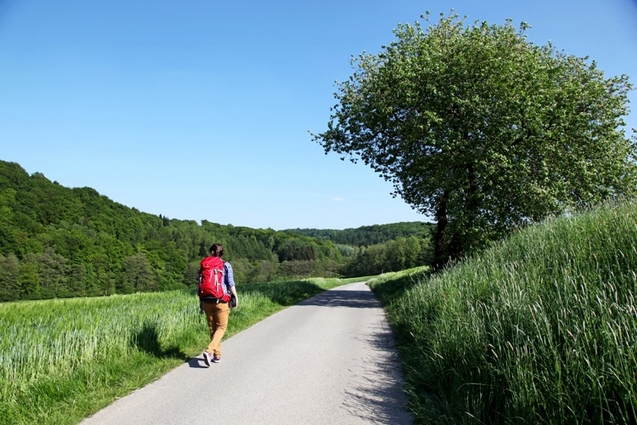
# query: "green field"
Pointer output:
{"type": "Point", "coordinates": [61, 360]}
{"type": "Point", "coordinates": [541, 328]}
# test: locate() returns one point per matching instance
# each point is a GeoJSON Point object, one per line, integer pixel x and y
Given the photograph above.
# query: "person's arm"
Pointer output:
{"type": "Point", "coordinates": [229, 276]}
{"type": "Point", "coordinates": [236, 299]}
{"type": "Point", "coordinates": [198, 285]}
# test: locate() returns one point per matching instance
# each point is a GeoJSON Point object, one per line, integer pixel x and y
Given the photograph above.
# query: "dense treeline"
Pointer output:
{"type": "Point", "coordinates": [370, 235]}
{"type": "Point", "coordinates": [62, 242]}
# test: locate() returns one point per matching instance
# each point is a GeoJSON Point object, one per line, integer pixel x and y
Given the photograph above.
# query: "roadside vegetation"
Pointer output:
{"type": "Point", "coordinates": [61, 360]}
{"type": "Point", "coordinates": [540, 328]}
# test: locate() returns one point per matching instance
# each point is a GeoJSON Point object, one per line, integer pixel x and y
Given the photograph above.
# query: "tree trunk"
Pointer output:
{"type": "Point", "coordinates": [441, 256]}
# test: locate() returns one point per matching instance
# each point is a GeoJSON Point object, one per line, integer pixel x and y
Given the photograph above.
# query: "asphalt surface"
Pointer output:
{"type": "Point", "coordinates": [327, 360]}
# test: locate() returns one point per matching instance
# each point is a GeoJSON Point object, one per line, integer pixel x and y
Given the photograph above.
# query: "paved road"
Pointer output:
{"type": "Point", "coordinates": [328, 360]}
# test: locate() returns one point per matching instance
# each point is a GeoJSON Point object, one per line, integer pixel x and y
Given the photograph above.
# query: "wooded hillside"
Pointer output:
{"type": "Point", "coordinates": [62, 242]}
{"type": "Point", "coordinates": [370, 235]}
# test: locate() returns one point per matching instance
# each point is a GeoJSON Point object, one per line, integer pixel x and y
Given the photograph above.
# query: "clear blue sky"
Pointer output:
{"type": "Point", "coordinates": [201, 109]}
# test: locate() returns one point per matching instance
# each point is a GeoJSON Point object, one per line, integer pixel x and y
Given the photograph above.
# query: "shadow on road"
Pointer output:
{"type": "Point", "coordinates": [342, 298]}
{"type": "Point", "coordinates": [378, 396]}
{"type": "Point", "coordinates": [196, 363]}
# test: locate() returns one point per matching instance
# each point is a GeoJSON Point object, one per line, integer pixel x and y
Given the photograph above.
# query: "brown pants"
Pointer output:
{"type": "Point", "coordinates": [217, 315]}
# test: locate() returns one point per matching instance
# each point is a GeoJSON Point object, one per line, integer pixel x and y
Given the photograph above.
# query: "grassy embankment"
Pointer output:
{"type": "Point", "coordinates": [61, 360]}
{"type": "Point", "coordinates": [542, 328]}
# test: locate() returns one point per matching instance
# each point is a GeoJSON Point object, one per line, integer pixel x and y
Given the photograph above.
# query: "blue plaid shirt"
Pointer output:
{"type": "Point", "coordinates": [228, 277]}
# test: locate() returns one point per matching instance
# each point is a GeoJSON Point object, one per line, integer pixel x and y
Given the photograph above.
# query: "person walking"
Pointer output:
{"type": "Point", "coordinates": [216, 292]}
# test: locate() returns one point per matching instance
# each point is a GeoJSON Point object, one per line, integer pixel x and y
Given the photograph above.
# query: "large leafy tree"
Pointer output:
{"type": "Point", "coordinates": [483, 130]}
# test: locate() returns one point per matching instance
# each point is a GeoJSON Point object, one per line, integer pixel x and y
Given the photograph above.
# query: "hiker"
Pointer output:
{"type": "Point", "coordinates": [216, 293]}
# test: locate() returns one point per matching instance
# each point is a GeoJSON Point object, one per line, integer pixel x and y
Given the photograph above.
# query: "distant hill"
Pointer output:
{"type": "Point", "coordinates": [66, 242]}
{"type": "Point", "coordinates": [369, 235]}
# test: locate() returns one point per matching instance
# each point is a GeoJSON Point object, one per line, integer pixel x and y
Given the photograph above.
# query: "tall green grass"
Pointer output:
{"type": "Point", "coordinates": [61, 360]}
{"type": "Point", "coordinates": [541, 328]}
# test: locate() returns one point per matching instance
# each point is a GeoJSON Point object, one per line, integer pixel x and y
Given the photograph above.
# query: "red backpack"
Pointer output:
{"type": "Point", "coordinates": [211, 280]}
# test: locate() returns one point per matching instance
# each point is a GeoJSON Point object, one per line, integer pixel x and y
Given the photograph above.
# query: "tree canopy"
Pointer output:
{"type": "Point", "coordinates": [484, 131]}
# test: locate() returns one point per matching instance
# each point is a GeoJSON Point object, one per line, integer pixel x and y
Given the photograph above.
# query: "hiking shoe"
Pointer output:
{"type": "Point", "coordinates": [216, 359]}
{"type": "Point", "coordinates": [206, 358]}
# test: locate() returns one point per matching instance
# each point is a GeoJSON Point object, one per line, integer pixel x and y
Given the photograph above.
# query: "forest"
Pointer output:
{"type": "Point", "coordinates": [58, 242]}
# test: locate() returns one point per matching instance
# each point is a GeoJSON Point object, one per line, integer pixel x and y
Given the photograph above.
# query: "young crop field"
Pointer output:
{"type": "Point", "coordinates": [47, 345]}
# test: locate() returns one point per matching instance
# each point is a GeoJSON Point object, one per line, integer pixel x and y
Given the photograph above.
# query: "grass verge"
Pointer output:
{"type": "Point", "coordinates": [62, 360]}
{"type": "Point", "coordinates": [541, 328]}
